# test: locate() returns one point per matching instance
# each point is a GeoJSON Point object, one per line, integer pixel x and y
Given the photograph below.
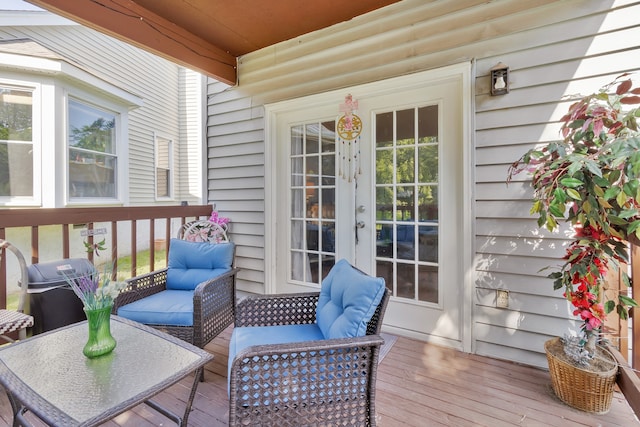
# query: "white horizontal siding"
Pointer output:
{"type": "Point", "coordinates": [516, 228]}
{"type": "Point", "coordinates": [516, 283]}
{"type": "Point", "coordinates": [506, 127]}
{"type": "Point", "coordinates": [524, 246]}
{"type": "Point", "coordinates": [235, 164]}
{"type": "Point", "coordinates": [190, 149]}
{"type": "Point", "coordinates": [553, 49]}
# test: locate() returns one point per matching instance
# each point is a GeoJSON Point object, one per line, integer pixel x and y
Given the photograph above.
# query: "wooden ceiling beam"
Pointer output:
{"type": "Point", "coordinates": [128, 21]}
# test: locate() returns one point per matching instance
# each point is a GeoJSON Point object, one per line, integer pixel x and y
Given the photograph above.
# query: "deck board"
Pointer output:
{"type": "Point", "coordinates": [418, 384]}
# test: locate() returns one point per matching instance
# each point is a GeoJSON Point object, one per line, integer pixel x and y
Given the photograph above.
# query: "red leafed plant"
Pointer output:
{"type": "Point", "coordinates": [590, 180]}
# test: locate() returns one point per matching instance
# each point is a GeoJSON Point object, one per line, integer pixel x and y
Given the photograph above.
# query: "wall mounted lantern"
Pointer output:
{"type": "Point", "coordinates": [499, 79]}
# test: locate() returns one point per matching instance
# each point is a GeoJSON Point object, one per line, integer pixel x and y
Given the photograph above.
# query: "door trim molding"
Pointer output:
{"type": "Point", "coordinates": [461, 72]}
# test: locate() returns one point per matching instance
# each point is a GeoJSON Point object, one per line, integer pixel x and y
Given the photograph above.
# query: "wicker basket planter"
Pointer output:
{"type": "Point", "coordinates": [580, 388]}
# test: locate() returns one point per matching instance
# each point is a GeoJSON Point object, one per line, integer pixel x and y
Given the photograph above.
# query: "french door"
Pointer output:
{"type": "Point", "coordinates": [398, 214]}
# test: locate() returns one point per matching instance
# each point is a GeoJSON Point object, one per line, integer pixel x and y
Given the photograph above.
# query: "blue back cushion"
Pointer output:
{"type": "Point", "coordinates": [191, 263]}
{"type": "Point", "coordinates": [348, 299]}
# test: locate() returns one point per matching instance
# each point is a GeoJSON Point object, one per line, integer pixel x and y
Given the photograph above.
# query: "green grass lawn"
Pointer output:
{"type": "Point", "coordinates": [124, 270]}
{"type": "Point", "coordinates": [142, 261]}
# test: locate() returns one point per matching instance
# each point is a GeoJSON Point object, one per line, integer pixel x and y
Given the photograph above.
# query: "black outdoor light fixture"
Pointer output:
{"type": "Point", "coordinates": [499, 79]}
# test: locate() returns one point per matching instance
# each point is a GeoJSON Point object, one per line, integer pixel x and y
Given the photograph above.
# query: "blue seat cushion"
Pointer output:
{"type": "Point", "coordinates": [170, 307]}
{"type": "Point", "coordinates": [348, 299]}
{"type": "Point", "coordinates": [247, 336]}
{"type": "Point", "coordinates": [191, 263]}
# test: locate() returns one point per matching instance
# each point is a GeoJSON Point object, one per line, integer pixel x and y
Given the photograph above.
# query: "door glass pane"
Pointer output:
{"type": "Point", "coordinates": [406, 281]}
{"type": "Point", "coordinates": [384, 203]}
{"type": "Point", "coordinates": [407, 184]}
{"type": "Point", "coordinates": [296, 140]}
{"type": "Point", "coordinates": [312, 137]}
{"type": "Point", "coordinates": [405, 165]}
{"type": "Point", "coordinates": [405, 241]}
{"type": "Point", "coordinates": [428, 203]}
{"type": "Point", "coordinates": [384, 167]}
{"type": "Point", "coordinates": [297, 163]}
{"type": "Point", "coordinates": [384, 130]}
{"type": "Point", "coordinates": [385, 238]}
{"type": "Point", "coordinates": [428, 124]}
{"type": "Point", "coordinates": [312, 173]}
{"type": "Point", "coordinates": [428, 163]}
{"type": "Point", "coordinates": [313, 181]}
{"type": "Point", "coordinates": [405, 206]}
{"type": "Point", "coordinates": [328, 208]}
{"type": "Point", "coordinates": [329, 169]}
{"type": "Point", "coordinates": [296, 227]}
{"type": "Point", "coordinates": [405, 128]}
{"type": "Point", "coordinates": [428, 283]}
{"type": "Point", "coordinates": [384, 269]}
{"type": "Point", "coordinates": [428, 243]}
{"type": "Point", "coordinates": [297, 205]}
{"type": "Point", "coordinates": [327, 132]}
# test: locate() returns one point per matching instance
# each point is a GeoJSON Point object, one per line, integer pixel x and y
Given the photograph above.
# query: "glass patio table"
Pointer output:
{"type": "Point", "coordinates": [49, 376]}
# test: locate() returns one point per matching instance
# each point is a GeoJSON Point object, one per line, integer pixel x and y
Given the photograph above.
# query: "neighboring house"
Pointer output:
{"type": "Point", "coordinates": [87, 120]}
{"type": "Point", "coordinates": [430, 210]}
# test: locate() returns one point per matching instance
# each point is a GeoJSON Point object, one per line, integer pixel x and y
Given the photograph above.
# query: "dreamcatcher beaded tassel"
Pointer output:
{"type": "Point", "coordinates": [349, 127]}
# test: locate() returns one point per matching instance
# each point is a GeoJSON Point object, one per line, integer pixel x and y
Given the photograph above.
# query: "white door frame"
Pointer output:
{"type": "Point", "coordinates": [463, 72]}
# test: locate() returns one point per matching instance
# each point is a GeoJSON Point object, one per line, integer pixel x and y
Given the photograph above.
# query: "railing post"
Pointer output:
{"type": "Point", "coordinates": [65, 241]}
{"type": "Point", "coordinates": [634, 312]}
{"type": "Point", "coordinates": [167, 233]}
{"type": "Point", "coordinates": [152, 246]}
{"type": "Point", "coordinates": [3, 274]}
{"type": "Point", "coordinates": [134, 248]}
{"type": "Point", "coordinates": [90, 241]}
{"type": "Point", "coordinates": [35, 248]}
{"type": "Point", "coordinates": [114, 249]}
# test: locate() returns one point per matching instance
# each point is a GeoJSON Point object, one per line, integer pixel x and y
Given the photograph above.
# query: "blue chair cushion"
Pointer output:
{"type": "Point", "coordinates": [247, 336]}
{"type": "Point", "coordinates": [348, 299]}
{"type": "Point", "coordinates": [170, 307]}
{"type": "Point", "coordinates": [191, 263]}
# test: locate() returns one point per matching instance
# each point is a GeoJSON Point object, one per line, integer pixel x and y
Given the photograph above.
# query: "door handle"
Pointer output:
{"type": "Point", "coordinates": [359, 224]}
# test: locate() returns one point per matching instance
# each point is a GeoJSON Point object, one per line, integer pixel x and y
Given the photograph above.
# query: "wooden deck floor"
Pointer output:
{"type": "Point", "coordinates": [418, 384]}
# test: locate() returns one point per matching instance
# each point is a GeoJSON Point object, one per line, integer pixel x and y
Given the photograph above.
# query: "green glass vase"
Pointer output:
{"type": "Point", "coordinates": [100, 341]}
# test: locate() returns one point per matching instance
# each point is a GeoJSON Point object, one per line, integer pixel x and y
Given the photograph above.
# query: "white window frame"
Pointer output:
{"type": "Point", "coordinates": [171, 189]}
{"type": "Point", "coordinates": [121, 151]}
{"type": "Point", "coordinates": [36, 139]}
{"type": "Point", "coordinates": [53, 81]}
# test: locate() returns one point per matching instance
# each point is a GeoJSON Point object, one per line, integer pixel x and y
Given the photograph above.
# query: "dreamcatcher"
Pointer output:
{"type": "Point", "coordinates": [349, 127]}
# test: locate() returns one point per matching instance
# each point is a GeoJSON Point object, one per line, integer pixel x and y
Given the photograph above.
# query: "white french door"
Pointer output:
{"type": "Point", "coordinates": [401, 218]}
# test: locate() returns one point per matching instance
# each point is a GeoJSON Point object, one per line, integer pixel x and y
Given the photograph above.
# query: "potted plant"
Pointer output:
{"type": "Point", "coordinates": [590, 180]}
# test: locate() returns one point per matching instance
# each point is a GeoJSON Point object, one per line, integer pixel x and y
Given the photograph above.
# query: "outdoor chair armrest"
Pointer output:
{"type": "Point", "coordinates": [214, 306]}
{"type": "Point", "coordinates": [338, 377]}
{"type": "Point", "coordinates": [281, 309]}
{"type": "Point", "coordinates": [140, 287]}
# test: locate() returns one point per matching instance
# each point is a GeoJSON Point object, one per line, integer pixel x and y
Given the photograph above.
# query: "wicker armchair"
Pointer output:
{"type": "Point", "coordinates": [213, 303]}
{"type": "Point", "coordinates": [17, 320]}
{"type": "Point", "coordinates": [319, 382]}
